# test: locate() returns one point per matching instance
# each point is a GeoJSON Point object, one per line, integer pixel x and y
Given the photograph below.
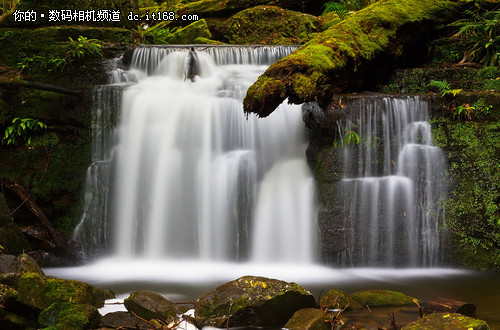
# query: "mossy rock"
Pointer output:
{"type": "Point", "coordinates": [269, 25]}
{"type": "Point", "coordinates": [379, 298]}
{"type": "Point", "coordinates": [40, 293]}
{"type": "Point", "coordinates": [150, 305]}
{"type": "Point", "coordinates": [447, 321]}
{"type": "Point", "coordinates": [252, 301]}
{"type": "Point", "coordinates": [337, 299]}
{"type": "Point", "coordinates": [190, 33]}
{"type": "Point", "coordinates": [333, 61]}
{"type": "Point", "coordinates": [68, 316]}
{"type": "Point", "coordinates": [122, 319]}
{"type": "Point", "coordinates": [7, 294]}
{"type": "Point", "coordinates": [328, 20]}
{"type": "Point", "coordinates": [308, 319]}
{"type": "Point", "coordinates": [207, 41]}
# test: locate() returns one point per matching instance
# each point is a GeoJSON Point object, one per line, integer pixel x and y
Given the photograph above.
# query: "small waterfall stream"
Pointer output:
{"type": "Point", "coordinates": [393, 187]}
{"type": "Point", "coordinates": [188, 175]}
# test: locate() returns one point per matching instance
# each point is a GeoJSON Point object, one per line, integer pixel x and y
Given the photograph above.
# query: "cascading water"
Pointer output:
{"type": "Point", "coordinates": [194, 178]}
{"type": "Point", "coordinates": [393, 186]}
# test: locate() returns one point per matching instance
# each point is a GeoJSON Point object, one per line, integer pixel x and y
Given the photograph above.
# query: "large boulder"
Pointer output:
{"type": "Point", "coordinates": [309, 319]}
{"type": "Point", "coordinates": [150, 305]}
{"type": "Point", "coordinates": [252, 301]}
{"type": "Point", "coordinates": [40, 293]}
{"type": "Point", "coordinates": [379, 298]}
{"type": "Point", "coordinates": [70, 316]}
{"type": "Point", "coordinates": [337, 299]}
{"type": "Point", "coordinates": [447, 321]}
{"type": "Point", "coordinates": [12, 268]}
{"type": "Point", "coordinates": [269, 25]}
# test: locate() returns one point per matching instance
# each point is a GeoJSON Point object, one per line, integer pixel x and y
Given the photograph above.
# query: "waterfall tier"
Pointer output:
{"type": "Point", "coordinates": [189, 176]}
{"type": "Point", "coordinates": [393, 187]}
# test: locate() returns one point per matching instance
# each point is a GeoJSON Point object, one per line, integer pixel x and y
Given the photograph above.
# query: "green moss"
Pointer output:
{"type": "Point", "coordinates": [207, 41]}
{"type": "Point", "coordinates": [188, 34]}
{"type": "Point", "coordinates": [69, 316]}
{"type": "Point", "coordinates": [446, 321]}
{"type": "Point", "coordinates": [269, 25]}
{"type": "Point", "coordinates": [473, 212]}
{"type": "Point", "coordinates": [376, 298]}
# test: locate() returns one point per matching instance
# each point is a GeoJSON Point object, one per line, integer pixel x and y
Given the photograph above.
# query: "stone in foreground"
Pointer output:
{"type": "Point", "coordinates": [252, 301]}
{"type": "Point", "coordinates": [150, 305]}
{"type": "Point", "coordinates": [309, 319]}
{"type": "Point", "coordinates": [447, 321]}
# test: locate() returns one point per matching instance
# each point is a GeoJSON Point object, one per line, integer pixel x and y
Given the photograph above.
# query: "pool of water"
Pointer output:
{"type": "Point", "coordinates": [185, 281]}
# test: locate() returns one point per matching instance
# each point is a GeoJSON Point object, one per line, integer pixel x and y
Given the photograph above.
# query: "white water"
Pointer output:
{"type": "Point", "coordinates": [395, 185]}
{"type": "Point", "coordinates": [197, 179]}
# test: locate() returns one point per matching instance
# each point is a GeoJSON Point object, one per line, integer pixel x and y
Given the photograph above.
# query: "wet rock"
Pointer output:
{"type": "Point", "coordinates": [252, 301]}
{"type": "Point", "coordinates": [46, 259]}
{"type": "Point", "coordinates": [70, 316]}
{"type": "Point", "coordinates": [122, 319]}
{"type": "Point", "coordinates": [14, 321]}
{"type": "Point", "coordinates": [5, 261]}
{"type": "Point", "coordinates": [12, 268]}
{"type": "Point", "coordinates": [40, 293]}
{"type": "Point", "coordinates": [447, 321]}
{"type": "Point", "coordinates": [7, 295]}
{"type": "Point", "coordinates": [190, 33]}
{"type": "Point", "coordinates": [377, 298]}
{"type": "Point", "coordinates": [308, 319]}
{"type": "Point", "coordinates": [150, 305]}
{"type": "Point", "coordinates": [337, 299]}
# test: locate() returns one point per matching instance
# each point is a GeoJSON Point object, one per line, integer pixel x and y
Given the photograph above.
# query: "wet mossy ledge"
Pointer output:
{"type": "Point", "coordinates": [336, 59]}
{"type": "Point", "coordinates": [31, 300]}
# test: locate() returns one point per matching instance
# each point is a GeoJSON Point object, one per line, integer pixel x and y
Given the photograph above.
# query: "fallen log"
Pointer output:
{"type": "Point", "coordinates": [449, 306]}
{"type": "Point", "coordinates": [57, 237]}
{"type": "Point", "coordinates": [350, 55]}
{"type": "Point", "coordinates": [18, 82]}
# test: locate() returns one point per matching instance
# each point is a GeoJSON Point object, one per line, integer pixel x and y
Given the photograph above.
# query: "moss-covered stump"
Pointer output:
{"type": "Point", "coordinates": [190, 33]}
{"type": "Point", "coordinates": [379, 298]}
{"type": "Point", "coordinates": [252, 301]}
{"type": "Point", "coordinates": [309, 319]}
{"type": "Point", "coordinates": [269, 25]}
{"type": "Point", "coordinates": [40, 293]}
{"type": "Point", "coordinates": [337, 299]}
{"type": "Point", "coordinates": [150, 305]}
{"type": "Point", "coordinates": [335, 60]}
{"type": "Point", "coordinates": [70, 316]}
{"type": "Point", "coordinates": [447, 321]}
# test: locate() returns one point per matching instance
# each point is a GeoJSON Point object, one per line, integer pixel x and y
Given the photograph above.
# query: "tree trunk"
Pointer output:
{"type": "Point", "coordinates": [449, 306]}
{"type": "Point", "coordinates": [36, 85]}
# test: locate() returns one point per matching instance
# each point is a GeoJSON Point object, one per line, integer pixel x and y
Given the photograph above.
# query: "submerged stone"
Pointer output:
{"type": "Point", "coordinates": [447, 321]}
{"type": "Point", "coordinates": [150, 305]}
{"type": "Point", "coordinates": [377, 298]}
{"type": "Point", "coordinates": [252, 301]}
{"type": "Point", "coordinates": [337, 299]}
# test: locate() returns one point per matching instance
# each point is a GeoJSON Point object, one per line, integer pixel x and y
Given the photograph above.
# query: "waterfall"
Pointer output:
{"type": "Point", "coordinates": [187, 175]}
{"type": "Point", "coordinates": [393, 186]}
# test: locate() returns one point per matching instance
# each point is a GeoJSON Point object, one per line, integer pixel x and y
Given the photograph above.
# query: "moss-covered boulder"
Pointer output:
{"type": "Point", "coordinates": [336, 59]}
{"type": "Point", "coordinates": [190, 33]}
{"type": "Point", "coordinates": [70, 316]}
{"type": "Point", "coordinates": [252, 301]}
{"type": "Point", "coordinates": [40, 293]}
{"type": "Point", "coordinates": [150, 305]}
{"type": "Point", "coordinates": [308, 319]}
{"type": "Point", "coordinates": [338, 299]}
{"type": "Point", "coordinates": [447, 321]}
{"type": "Point", "coordinates": [378, 298]}
{"type": "Point", "coordinates": [269, 25]}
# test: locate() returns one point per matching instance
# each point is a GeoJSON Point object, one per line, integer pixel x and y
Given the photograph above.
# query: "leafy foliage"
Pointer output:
{"type": "Point", "coordinates": [351, 137]}
{"type": "Point", "coordinates": [83, 47]}
{"type": "Point", "coordinates": [444, 87]}
{"type": "Point", "coordinates": [22, 130]}
{"type": "Point", "coordinates": [481, 36]}
{"type": "Point", "coordinates": [336, 7]}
